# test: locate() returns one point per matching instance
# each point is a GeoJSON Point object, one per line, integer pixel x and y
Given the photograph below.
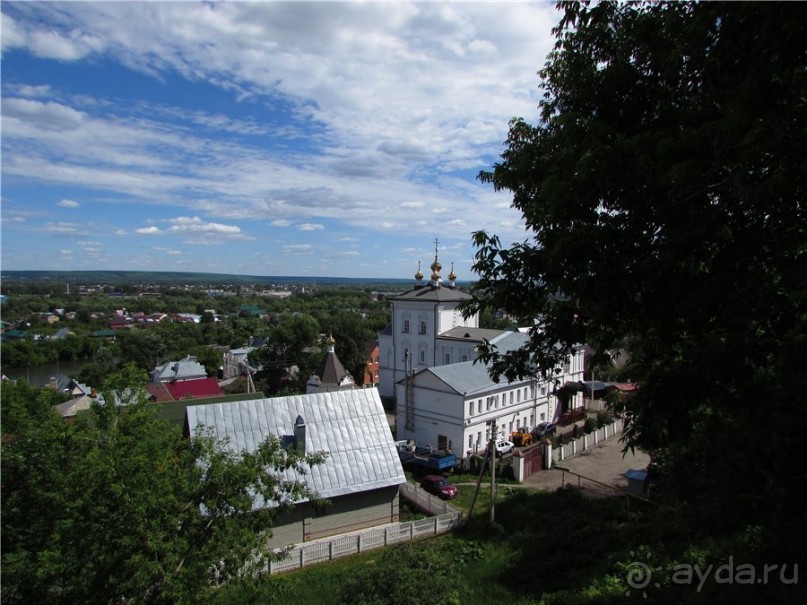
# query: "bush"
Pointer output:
{"type": "Point", "coordinates": [603, 418]}
{"type": "Point", "coordinates": [589, 426]}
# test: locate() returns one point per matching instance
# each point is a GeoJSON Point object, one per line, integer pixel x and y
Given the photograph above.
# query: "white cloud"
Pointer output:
{"type": "Point", "coordinates": [65, 203]}
{"type": "Point", "coordinates": [310, 227]}
{"type": "Point", "coordinates": [43, 116]}
{"type": "Point", "coordinates": [369, 118]}
{"type": "Point", "coordinates": [148, 231]}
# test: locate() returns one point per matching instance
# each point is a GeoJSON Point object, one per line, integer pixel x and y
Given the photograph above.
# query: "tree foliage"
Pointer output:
{"type": "Point", "coordinates": [664, 186]}
{"type": "Point", "coordinates": [119, 507]}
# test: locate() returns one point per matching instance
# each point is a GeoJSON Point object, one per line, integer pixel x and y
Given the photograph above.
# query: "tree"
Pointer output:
{"type": "Point", "coordinates": [288, 342]}
{"type": "Point", "coordinates": [664, 186]}
{"type": "Point", "coordinates": [119, 507]}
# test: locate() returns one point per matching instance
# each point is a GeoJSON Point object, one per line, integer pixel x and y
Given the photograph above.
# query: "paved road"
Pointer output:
{"type": "Point", "coordinates": [603, 463]}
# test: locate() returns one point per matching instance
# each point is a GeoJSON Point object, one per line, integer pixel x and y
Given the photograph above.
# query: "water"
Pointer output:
{"type": "Point", "coordinates": [40, 375]}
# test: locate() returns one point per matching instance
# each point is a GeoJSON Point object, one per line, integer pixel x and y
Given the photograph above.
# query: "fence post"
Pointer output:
{"type": "Point", "coordinates": [386, 536]}
{"type": "Point", "coordinates": [330, 550]}
{"type": "Point", "coordinates": [358, 542]}
{"type": "Point", "coordinates": [302, 557]}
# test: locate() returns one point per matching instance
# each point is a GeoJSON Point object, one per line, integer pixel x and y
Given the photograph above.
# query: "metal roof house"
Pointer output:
{"type": "Point", "coordinates": [362, 471]}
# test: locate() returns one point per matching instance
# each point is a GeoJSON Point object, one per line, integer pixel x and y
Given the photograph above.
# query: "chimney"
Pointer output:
{"type": "Point", "coordinates": [299, 434]}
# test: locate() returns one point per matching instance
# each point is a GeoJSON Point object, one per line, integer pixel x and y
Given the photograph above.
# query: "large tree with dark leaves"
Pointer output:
{"type": "Point", "coordinates": [664, 186]}
{"type": "Point", "coordinates": [118, 507]}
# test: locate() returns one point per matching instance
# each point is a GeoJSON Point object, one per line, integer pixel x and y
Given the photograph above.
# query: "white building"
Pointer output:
{"type": "Point", "coordinates": [457, 406]}
{"type": "Point", "coordinates": [417, 336]}
{"type": "Point", "coordinates": [442, 398]}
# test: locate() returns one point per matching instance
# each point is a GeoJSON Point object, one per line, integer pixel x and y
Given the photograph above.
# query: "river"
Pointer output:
{"type": "Point", "coordinates": [40, 375]}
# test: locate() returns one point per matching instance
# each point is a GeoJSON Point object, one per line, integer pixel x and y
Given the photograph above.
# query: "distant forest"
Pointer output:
{"type": "Point", "coordinates": [158, 277]}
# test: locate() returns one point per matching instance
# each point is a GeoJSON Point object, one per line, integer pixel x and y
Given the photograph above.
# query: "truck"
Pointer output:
{"type": "Point", "coordinates": [521, 437]}
{"type": "Point", "coordinates": [425, 458]}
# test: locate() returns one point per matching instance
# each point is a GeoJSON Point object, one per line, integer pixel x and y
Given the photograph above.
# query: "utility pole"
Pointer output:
{"type": "Point", "coordinates": [492, 450]}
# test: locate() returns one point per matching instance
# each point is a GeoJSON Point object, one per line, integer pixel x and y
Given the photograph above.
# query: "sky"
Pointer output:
{"type": "Point", "coordinates": [261, 138]}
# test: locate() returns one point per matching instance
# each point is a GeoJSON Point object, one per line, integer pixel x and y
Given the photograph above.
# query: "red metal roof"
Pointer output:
{"type": "Point", "coordinates": [203, 387]}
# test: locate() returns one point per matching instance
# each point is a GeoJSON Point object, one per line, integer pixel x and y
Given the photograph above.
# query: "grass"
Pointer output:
{"type": "Point", "coordinates": [545, 548]}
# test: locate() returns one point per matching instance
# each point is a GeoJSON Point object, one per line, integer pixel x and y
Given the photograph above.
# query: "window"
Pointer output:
{"type": "Point", "coordinates": [423, 357]}
{"type": "Point", "coordinates": [490, 403]}
{"type": "Point", "coordinates": [518, 395]}
{"type": "Point", "coordinates": [543, 416]}
{"type": "Point", "coordinates": [470, 441]}
{"type": "Point", "coordinates": [471, 409]}
{"type": "Point", "coordinates": [406, 355]}
{"type": "Point", "coordinates": [479, 408]}
{"type": "Point", "coordinates": [447, 358]}
{"type": "Point", "coordinates": [465, 358]}
{"type": "Point", "coordinates": [406, 326]}
{"type": "Point", "coordinates": [511, 397]}
{"type": "Point", "coordinates": [422, 327]}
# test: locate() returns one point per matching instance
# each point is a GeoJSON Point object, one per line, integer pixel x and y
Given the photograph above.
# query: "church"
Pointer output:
{"type": "Point", "coordinates": [441, 397]}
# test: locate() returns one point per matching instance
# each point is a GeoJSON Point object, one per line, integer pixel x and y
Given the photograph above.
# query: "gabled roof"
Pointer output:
{"type": "Point", "coordinates": [204, 387]}
{"type": "Point", "coordinates": [185, 369]}
{"type": "Point", "coordinates": [350, 425]}
{"type": "Point", "coordinates": [468, 378]}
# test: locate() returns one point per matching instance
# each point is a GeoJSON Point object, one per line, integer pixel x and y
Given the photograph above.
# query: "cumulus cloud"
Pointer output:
{"type": "Point", "coordinates": [310, 227]}
{"type": "Point", "coordinates": [65, 203]}
{"type": "Point", "coordinates": [148, 231]}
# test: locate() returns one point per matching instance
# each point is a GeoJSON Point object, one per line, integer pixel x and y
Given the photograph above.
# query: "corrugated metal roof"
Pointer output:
{"type": "Point", "coordinates": [469, 378]}
{"type": "Point", "coordinates": [350, 425]}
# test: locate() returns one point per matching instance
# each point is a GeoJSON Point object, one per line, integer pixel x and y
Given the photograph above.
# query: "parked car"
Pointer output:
{"type": "Point", "coordinates": [439, 486]}
{"type": "Point", "coordinates": [543, 429]}
{"type": "Point", "coordinates": [504, 447]}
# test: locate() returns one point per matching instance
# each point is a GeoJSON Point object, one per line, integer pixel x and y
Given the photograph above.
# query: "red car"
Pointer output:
{"type": "Point", "coordinates": [439, 486]}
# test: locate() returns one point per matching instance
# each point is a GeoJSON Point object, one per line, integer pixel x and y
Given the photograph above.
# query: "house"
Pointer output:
{"type": "Point", "coordinates": [62, 333]}
{"type": "Point", "coordinates": [236, 363]}
{"type": "Point", "coordinates": [194, 389]}
{"type": "Point", "coordinates": [184, 369]}
{"type": "Point", "coordinates": [370, 378]}
{"type": "Point", "coordinates": [362, 471]}
{"type": "Point", "coordinates": [331, 375]}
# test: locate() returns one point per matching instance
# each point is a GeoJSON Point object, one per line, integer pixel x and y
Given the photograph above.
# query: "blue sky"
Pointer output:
{"type": "Point", "coordinates": [263, 138]}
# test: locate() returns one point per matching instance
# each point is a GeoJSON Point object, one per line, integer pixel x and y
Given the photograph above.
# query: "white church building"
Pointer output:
{"type": "Point", "coordinates": [442, 398]}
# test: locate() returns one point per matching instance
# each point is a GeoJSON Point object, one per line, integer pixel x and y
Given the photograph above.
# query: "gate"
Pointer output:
{"type": "Point", "coordinates": [533, 459]}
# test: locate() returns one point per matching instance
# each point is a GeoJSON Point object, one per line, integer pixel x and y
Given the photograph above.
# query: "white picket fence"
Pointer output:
{"type": "Point", "coordinates": [584, 442]}
{"type": "Point", "coordinates": [309, 553]}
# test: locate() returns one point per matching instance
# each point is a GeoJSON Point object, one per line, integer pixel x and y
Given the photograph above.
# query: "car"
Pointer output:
{"type": "Point", "coordinates": [543, 429]}
{"type": "Point", "coordinates": [504, 447]}
{"type": "Point", "coordinates": [439, 486]}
